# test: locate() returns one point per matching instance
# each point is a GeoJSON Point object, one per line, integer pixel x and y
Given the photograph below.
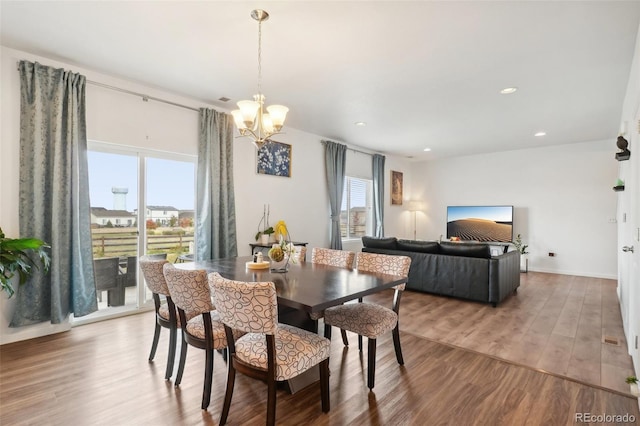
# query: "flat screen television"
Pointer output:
{"type": "Point", "coordinates": [480, 223]}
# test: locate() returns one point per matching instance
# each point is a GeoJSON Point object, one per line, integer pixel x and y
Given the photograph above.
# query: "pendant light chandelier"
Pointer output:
{"type": "Point", "coordinates": [251, 119]}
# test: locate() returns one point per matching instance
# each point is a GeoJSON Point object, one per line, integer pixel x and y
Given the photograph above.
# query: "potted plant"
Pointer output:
{"type": "Point", "coordinates": [522, 249]}
{"type": "Point", "coordinates": [264, 233]}
{"type": "Point", "coordinates": [15, 258]}
{"type": "Point", "coordinates": [633, 384]}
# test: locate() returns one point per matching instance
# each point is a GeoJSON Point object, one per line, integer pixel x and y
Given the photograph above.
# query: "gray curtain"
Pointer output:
{"type": "Point", "coordinates": [216, 206]}
{"type": "Point", "coordinates": [378, 195]}
{"type": "Point", "coordinates": [54, 194]}
{"type": "Point", "coordinates": [335, 156]}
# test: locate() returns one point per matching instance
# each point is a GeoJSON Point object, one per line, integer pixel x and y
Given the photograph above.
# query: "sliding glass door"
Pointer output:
{"type": "Point", "coordinates": [142, 202]}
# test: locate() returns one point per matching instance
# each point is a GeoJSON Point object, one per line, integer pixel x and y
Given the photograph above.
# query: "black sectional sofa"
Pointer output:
{"type": "Point", "coordinates": [460, 269]}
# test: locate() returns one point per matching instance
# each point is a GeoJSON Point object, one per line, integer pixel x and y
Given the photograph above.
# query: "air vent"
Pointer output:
{"type": "Point", "coordinates": [223, 99]}
{"type": "Point", "coordinates": [609, 340]}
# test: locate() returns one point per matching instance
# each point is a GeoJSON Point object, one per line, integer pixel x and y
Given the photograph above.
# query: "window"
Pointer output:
{"type": "Point", "coordinates": [356, 213]}
{"type": "Point", "coordinates": [116, 198]}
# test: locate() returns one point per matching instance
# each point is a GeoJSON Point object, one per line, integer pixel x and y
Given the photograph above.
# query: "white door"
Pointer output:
{"type": "Point", "coordinates": [633, 258]}
{"type": "Point", "coordinates": [629, 243]}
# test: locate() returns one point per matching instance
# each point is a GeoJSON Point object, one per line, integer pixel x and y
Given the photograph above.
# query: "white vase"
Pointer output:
{"type": "Point", "coordinates": [282, 266]}
{"type": "Point", "coordinates": [264, 239]}
{"type": "Point", "coordinates": [634, 389]}
{"type": "Point", "coordinates": [524, 263]}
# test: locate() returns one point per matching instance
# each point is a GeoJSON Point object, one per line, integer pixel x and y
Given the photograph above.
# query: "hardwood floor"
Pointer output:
{"type": "Point", "coordinates": [98, 374]}
{"type": "Point", "coordinates": [556, 323]}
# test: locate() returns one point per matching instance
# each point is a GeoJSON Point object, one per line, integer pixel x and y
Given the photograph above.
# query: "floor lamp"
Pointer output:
{"type": "Point", "coordinates": [414, 206]}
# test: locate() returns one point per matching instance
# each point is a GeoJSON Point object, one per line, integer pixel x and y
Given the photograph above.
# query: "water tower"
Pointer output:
{"type": "Point", "coordinates": [119, 198]}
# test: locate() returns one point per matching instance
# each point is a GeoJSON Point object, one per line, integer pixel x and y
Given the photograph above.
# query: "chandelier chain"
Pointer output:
{"type": "Point", "coordinates": [260, 57]}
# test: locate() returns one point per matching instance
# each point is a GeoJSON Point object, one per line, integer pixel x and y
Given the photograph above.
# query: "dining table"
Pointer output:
{"type": "Point", "coordinates": [306, 288]}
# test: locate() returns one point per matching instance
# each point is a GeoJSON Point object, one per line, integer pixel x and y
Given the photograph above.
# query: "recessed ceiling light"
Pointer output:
{"type": "Point", "coordinates": [360, 123]}
{"type": "Point", "coordinates": [427, 149]}
{"type": "Point", "coordinates": [540, 134]}
{"type": "Point", "coordinates": [508, 90]}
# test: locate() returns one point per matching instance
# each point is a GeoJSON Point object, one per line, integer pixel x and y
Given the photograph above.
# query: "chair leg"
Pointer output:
{"type": "Point", "coordinates": [208, 378]}
{"type": "Point", "coordinates": [345, 340]}
{"type": "Point", "coordinates": [231, 378]}
{"type": "Point", "coordinates": [324, 385]}
{"type": "Point", "coordinates": [154, 345]}
{"type": "Point", "coordinates": [360, 343]}
{"type": "Point", "coordinates": [271, 402]}
{"type": "Point", "coordinates": [371, 367]}
{"type": "Point", "coordinates": [183, 359]}
{"type": "Point", "coordinates": [173, 332]}
{"type": "Point", "coordinates": [327, 331]}
{"type": "Point", "coordinates": [396, 345]}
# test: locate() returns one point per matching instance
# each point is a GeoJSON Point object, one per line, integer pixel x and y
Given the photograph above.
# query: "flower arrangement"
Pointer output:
{"type": "Point", "coordinates": [283, 249]}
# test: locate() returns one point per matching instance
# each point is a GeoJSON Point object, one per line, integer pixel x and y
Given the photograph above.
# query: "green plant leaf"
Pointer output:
{"type": "Point", "coordinates": [18, 256]}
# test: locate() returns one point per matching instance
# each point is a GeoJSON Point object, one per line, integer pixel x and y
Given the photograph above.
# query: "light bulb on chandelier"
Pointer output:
{"type": "Point", "coordinates": [251, 119]}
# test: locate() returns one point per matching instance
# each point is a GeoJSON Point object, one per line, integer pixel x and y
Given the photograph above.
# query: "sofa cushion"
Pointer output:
{"type": "Point", "coordinates": [481, 251]}
{"type": "Point", "coordinates": [382, 243]}
{"type": "Point", "coordinates": [419, 246]}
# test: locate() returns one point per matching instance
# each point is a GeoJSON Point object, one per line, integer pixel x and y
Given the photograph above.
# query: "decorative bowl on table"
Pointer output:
{"type": "Point", "coordinates": [258, 265]}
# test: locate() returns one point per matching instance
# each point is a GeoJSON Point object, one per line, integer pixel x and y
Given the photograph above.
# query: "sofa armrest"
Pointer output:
{"type": "Point", "coordinates": [504, 275]}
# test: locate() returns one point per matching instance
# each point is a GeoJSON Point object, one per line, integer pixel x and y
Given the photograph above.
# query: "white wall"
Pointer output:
{"type": "Point", "coordinates": [115, 117]}
{"type": "Point", "coordinates": [562, 195]}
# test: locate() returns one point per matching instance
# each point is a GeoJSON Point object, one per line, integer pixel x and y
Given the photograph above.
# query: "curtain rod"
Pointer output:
{"type": "Point", "coordinates": [144, 97]}
{"type": "Point", "coordinates": [354, 150]}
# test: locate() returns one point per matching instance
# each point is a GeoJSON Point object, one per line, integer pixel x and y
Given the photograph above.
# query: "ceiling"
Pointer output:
{"type": "Point", "coordinates": [420, 74]}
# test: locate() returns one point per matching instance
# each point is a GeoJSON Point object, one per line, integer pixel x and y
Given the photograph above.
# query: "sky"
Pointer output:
{"type": "Point", "coordinates": [169, 182]}
{"type": "Point", "coordinates": [495, 213]}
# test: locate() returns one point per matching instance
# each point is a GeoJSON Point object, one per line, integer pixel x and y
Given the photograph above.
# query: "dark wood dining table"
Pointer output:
{"type": "Point", "coordinates": [306, 288]}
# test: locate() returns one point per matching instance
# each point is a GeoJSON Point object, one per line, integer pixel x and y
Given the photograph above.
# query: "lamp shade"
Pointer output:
{"type": "Point", "coordinates": [248, 109]}
{"type": "Point", "coordinates": [278, 114]}
{"type": "Point", "coordinates": [415, 205]}
{"type": "Point", "coordinates": [237, 118]}
{"type": "Point", "coordinates": [267, 123]}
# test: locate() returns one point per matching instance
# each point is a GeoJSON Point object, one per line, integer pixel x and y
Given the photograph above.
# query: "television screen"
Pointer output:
{"type": "Point", "coordinates": [480, 223]}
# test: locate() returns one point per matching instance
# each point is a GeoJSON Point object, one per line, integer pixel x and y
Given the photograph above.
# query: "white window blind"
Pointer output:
{"type": "Point", "coordinates": [356, 211]}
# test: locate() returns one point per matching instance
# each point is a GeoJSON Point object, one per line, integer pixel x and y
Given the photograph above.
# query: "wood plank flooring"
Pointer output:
{"type": "Point", "coordinates": [554, 323]}
{"type": "Point", "coordinates": [98, 374]}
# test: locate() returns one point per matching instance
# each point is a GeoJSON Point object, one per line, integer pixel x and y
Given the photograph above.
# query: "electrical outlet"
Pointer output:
{"type": "Point", "coordinates": [551, 254]}
{"type": "Point", "coordinates": [612, 220]}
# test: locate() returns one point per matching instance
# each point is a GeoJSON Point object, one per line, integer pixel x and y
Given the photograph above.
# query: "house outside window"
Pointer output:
{"type": "Point", "coordinates": [356, 214]}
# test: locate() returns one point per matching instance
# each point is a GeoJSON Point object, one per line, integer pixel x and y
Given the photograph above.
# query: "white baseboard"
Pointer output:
{"type": "Point", "coordinates": [577, 273]}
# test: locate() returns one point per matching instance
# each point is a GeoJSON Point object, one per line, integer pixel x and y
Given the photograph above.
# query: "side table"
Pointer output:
{"type": "Point", "coordinates": [255, 247]}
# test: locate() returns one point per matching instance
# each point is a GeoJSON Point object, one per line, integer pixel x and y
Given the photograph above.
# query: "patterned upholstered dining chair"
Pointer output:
{"type": "Point", "coordinates": [166, 314]}
{"type": "Point", "coordinates": [369, 319]}
{"type": "Point", "coordinates": [190, 292]}
{"type": "Point", "coordinates": [331, 257]}
{"type": "Point", "coordinates": [269, 351]}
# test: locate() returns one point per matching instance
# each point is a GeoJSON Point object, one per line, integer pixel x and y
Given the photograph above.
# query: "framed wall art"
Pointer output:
{"type": "Point", "coordinates": [274, 159]}
{"type": "Point", "coordinates": [396, 188]}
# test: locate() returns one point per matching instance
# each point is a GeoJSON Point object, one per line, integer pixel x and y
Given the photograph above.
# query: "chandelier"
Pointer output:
{"type": "Point", "coordinates": [251, 119]}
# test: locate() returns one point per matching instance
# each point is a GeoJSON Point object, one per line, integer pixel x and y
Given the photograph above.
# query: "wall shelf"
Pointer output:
{"type": "Point", "coordinates": [622, 156]}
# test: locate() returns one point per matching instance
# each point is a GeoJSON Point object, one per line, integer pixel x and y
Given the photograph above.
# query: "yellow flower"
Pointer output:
{"type": "Point", "coordinates": [281, 228]}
